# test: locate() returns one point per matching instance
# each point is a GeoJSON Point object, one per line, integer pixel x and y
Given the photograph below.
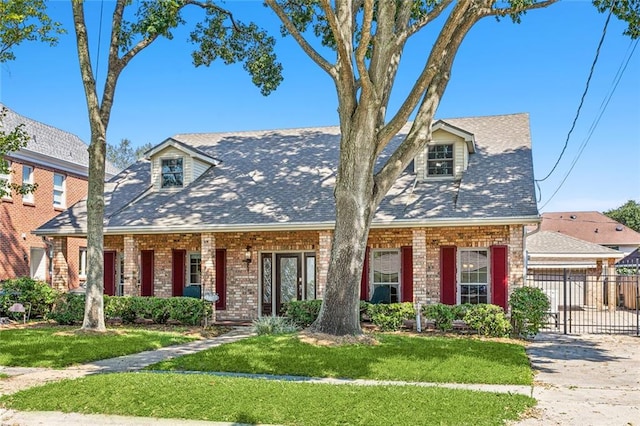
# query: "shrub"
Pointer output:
{"type": "Point", "coordinates": [28, 291]}
{"type": "Point", "coordinates": [390, 317]}
{"type": "Point", "coordinates": [488, 320]}
{"type": "Point", "coordinates": [69, 309]}
{"type": "Point", "coordinates": [274, 325]}
{"type": "Point", "coordinates": [459, 311]}
{"type": "Point", "coordinates": [302, 312]}
{"type": "Point", "coordinates": [442, 314]}
{"type": "Point", "coordinates": [529, 311]}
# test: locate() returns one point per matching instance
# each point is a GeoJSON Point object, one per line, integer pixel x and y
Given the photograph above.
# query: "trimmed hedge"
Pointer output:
{"type": "Point", "coordinates": [27, 291]}
{"type": "Point", "coordinates": [69, 309]}
{"type": "Point", "coordinates": [485, 319]}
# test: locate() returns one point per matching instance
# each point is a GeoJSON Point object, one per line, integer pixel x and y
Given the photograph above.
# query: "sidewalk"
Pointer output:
{"type": "Point", "coordinates": [585, 380]}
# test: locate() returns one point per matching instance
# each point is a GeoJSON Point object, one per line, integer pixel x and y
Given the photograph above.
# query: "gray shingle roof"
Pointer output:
{"type": "Point", "coordinates": [547, 243]}
{"type": "Point", "coordinates": [50, 141]}
{"type": "Point", "coordinates": [286, 177]}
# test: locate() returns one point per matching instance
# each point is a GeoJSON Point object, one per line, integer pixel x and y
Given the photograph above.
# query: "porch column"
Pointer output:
{"type": "Point", "coordinates": [208, 263]}
{"type": "Point", "coordinates": [421, 293]}
{"type": "Point", "coordinates": [324, 254]}
{"type": "Point", "coordinates": [60, 278]}
{"type": "Point", "coordinates": [131, 284]}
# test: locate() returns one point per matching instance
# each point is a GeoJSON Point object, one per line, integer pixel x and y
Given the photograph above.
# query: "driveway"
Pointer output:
{"type": "Point", "coordinates": [585, 380]}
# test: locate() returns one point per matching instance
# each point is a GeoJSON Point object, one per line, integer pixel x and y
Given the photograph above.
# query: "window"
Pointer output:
{"type": "Point", "coordinates": [58, 190]}
{"type": "Point", "coordinates": [5, 181]}
{"type": "Point", "coordinates": [195, 269]}
{"type": "Point", "coordinates": [474, 276]}
{"type": "Point", "coordinates": [172, 173]}
{"type": "Point", "coordinates": [27, 181]}
{"type": "Point", "coordinates": [440, 160]}
{"type": "Point", "coordinates": [82, 263]}
{"type": "Point", "coordinates": [385, 267]}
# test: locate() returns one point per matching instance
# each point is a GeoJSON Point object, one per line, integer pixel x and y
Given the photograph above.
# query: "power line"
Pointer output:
{"type": "Point", "coordinates": [584, 95]}
{"type": "Point", "coordinates": [594, 125]}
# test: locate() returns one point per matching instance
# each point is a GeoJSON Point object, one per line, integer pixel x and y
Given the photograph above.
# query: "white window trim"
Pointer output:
{"type": "Point", "coordinates": [82, 263]}
{"type": "Point", "coordinates": [459, 273]}
{"type": "Point", "coordinates": [184, 163]}
{"type": "Point", "coordinates": [7, 178]}
{"type": "Point", "coordinates": [63, 191]}
{"type": "Point", "coordinates": [28, 198]}
{"type": "Point", "coordinates": [373, 284]}
{"type": "Point", "coordinates": [190, 255]}
{"type": "Point", "coordinates": [453, 161]}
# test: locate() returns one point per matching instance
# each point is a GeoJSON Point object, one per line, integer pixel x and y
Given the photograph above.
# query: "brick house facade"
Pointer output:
{"type": "Point", "coordinates": [57, 162]}
{"type": "Point", "coordinates": [250, 216]}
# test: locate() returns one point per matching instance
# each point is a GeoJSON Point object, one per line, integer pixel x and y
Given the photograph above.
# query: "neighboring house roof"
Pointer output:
{"type": "Point", "coordinates": [594, 227]}
{"type": "Point", "coordinates": [632, 259]}
{"type": "Point", "coordinates": [51, 146]}
{"type": "Point", "coordinates": [553, 249]}
{"type": "Point", "coordinates": [284, 179]}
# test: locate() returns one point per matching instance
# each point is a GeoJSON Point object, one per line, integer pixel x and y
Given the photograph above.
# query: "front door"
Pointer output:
{"type": "Point", "coordinates": [286, 277]}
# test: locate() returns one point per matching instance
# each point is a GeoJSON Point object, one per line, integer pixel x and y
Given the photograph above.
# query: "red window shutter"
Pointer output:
{"type": "Point", "coordinates": [499, 275]}
{"type": "Point", "coordinates": [221, 279]}
{"type": "Point", "coordinates": [448, 275]}
{"type": "Point", "coordinates": [146, 272]}
{"type": "Point", "coordinates": [178, 272]}
{"type": "Point", "coordinates": [364, 281]}
{"type": "Point", "coordinates": [406, 258]}
{"type": "Point", "coordinates": [109, 272]}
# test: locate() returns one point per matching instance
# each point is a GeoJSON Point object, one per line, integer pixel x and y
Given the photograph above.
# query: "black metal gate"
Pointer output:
{"type": "Point", "coordinates": [583, 301]}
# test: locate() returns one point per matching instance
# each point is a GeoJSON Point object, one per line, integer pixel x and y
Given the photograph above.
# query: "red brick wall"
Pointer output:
{"type": "Point", "coordinates": [18, 219]}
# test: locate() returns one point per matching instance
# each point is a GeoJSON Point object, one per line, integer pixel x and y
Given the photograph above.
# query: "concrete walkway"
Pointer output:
{"type": "Point", "coordinates": [585, 380]}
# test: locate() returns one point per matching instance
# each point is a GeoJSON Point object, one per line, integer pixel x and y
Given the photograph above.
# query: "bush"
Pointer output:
{"type": "Point", "coordinates": [529, 311]}
{"type": "Point", "coordinates": [390, 317]}
{"type": "Point", "coordinates": [459, 311]}
{"type": "Point", "coordinates": [27, 291]}
{"type": "Point", "coordinates": [274, 325]}
{"type": "Point", "coordinates": [488, 320]}
{"type": "Point", "coordinates": [302, 312]}
{"type": "Point", "coordinates": [69, 309]}
{"type": "Point", "coordinates": [442, 314]}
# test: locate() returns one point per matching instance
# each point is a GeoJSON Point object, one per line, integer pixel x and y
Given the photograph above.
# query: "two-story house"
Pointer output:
{"type": "Point", "coordinates": [250, 215]}
{"type": "Point", "coordinates": [57, 162]}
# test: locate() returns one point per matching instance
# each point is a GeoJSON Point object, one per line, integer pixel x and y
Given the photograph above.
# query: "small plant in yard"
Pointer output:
{"type": "Point", "coordinates": [488, 320]}
{"type": "Point", "coordinates": [529, 311]}
{"type": "Point", "coordinates": [274, 325]}
{"type": "Point", "coordinates": [442, 314]}
{"type": "Point", "coordinates": [26, 290]}
{"type": "Point", "coordinates": [390, 317]}
{"type": "Point", "coordinates": [302, 312]}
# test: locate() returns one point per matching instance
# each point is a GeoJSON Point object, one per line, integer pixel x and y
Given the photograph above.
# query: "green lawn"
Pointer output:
{"type": "Point", "coordinates": [204, 397]}
{"type": "Point", "coordinates": [397, 357]}
{"type": "Point", "coordinates": [59, 347]}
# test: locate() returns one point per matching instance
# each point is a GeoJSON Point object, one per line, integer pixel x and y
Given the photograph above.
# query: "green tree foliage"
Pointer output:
{"type": "Point", "coordinates": [12, 141]}
{"type": "Point", "coordinates": [627, 214]}
{"type": "Point", "coordinates": [124, 154]}
{"type": "Point", "coordinates": [25, 20]}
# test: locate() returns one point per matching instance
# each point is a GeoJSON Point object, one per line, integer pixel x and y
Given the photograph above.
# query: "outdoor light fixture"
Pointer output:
{"type": "Point", "coordinates": [247, 257]}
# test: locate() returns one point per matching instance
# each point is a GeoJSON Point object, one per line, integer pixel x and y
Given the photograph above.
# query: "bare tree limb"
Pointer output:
{"type": "Point", "coordinates": [426, 19]}
{"type": "Point", "coordinates": [361, 50]}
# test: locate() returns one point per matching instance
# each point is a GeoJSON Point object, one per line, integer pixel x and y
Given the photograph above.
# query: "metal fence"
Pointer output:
{"type": "Point", "coordinates": [583, 301]}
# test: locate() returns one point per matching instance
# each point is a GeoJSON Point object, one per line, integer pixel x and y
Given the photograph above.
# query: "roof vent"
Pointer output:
{"type": "Point", "coordinates": [619, 228]}
{"type": "Point", "coordinates": [573, 216]}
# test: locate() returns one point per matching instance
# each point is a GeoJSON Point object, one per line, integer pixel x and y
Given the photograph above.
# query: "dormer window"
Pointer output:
{"type": "Point", "coordinates": [440, 160]}
{"type": "Point", "coordinates": [172, 173]}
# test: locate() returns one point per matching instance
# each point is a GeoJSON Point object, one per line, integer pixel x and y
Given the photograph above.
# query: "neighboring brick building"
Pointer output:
{"type": "Point", "coordinates": [251, 215]}
{"type": "Point", "coordinates": [57, 161]}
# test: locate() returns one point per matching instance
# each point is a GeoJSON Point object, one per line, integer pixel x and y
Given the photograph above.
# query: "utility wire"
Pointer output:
{"type": "Point", "coordinates": [594, 125]}
{"type": "Point", "coordinates": [584, 95]}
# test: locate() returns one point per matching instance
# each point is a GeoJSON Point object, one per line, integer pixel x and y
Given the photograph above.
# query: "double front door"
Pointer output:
{"type": "Point", "coordinates": [286, 277]}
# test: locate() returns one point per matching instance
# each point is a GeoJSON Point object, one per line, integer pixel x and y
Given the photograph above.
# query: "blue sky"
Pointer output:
{"type": "Point", "coordinates": [539, 66]}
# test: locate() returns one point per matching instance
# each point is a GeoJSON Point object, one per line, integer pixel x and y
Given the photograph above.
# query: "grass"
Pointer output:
{"type": "Point", "coordinates": [406, 358]}
{"type": "Point", "coordinates": [204, 397]}
{"type": "Point", "coordinates": [4, 376]}
{"type": "Point", "coordinates": [59, 347]}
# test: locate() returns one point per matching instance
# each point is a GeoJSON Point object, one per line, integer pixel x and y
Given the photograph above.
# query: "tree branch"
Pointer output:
{"type": "Point", "coordinates": [515, 10]}
{"type": "Point", "coordinates": [306, 47]}
{"type": "Point", "coordinates": [361, 51]}
{"type": "Point", "coordinates": [213, 6]}
{"type": "Point", "coordinates": [426, 19]}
